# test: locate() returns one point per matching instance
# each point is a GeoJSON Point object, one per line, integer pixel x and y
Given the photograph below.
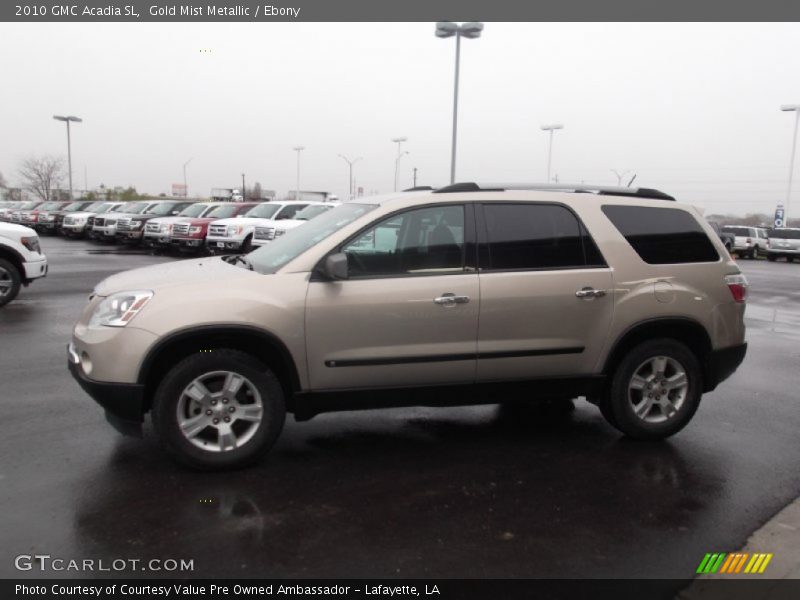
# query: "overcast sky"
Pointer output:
{"type": "Point", "coordinates": [693, 109]}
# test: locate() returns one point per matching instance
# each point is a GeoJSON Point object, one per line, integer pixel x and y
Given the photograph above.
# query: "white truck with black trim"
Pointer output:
{"type": "Point", "coordinates": [21, 260]}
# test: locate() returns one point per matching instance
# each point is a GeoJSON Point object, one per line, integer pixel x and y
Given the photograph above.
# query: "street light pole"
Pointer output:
{"type": "Point", "coordinates": [446, 29]}
{"type": "Point", "coordinates": [185, 186]}
{"type": "Point", "coordinates": [350, 164]}
{"type": "Point", "coordinates": [399, 141]}
{"type": "Point", "coordinates": [68, 120]}
{"type": "Point", "coordinates": [244, 193]}
{"type": "Point", "coordinates": [551, 129]}
{"type": "Point", "coordinates": [796, 109]}
{"type": "Point", "coordinates": [298, 149]}
{"type": "Point", "coordinates": [397, 167]}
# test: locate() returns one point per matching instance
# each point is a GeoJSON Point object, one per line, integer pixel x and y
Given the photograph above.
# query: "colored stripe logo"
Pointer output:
{"type": "Point", "coordinates": [734, 563]}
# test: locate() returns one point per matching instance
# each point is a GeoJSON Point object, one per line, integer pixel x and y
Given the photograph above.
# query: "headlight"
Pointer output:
{"type": "Point", "coordinates": [136, 224]}
{"type": "Point", "coordinates": [233, 230]}
{"type": "Point", "coordinates": [165, 228]}
{"type": "Point", "coordinates": [31, 243]}
{"type": "Point", "coordinates": [111, 222]}
{"type": "Point", "coordinates": [279, 232]}
{"type": "Point", "coordinates": [47, 217]}
{"type": "Point", "coordinates": [118, 309]}
{"type": "Point", "coordinates": [195, 230]}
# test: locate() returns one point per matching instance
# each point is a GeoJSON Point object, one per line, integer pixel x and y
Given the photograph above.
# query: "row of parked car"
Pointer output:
{"type": "Point", "coordinates": [755, 242]}
{"type": "Point", "coordinates": [167, 224]}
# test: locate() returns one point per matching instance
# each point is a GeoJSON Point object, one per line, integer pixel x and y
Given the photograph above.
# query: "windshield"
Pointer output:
{"type": "Point", "coordinates": [50, 206]}
{"type": "Point", "coordinates": [100, 208]}
{"type": "Point", "coordinates": [309, 212]}
{"type": "Point", "coordinates": [785, 234]}
{"type": "Point", "coordinates": [270, 258]}
{"type": "Point", "coordinates": [75, 206]}
{"type": "Point", "coordinates": [223, 212]}
{"type": "Point", "coordinates": [195, 210]}
{"type": "Point", "coordinates": [28, 205]}
{"type": "Point", "coordinates": [131, 207]}
{"type": "Point", "coordinates": [161, 209]}
{"type": "Point", "coordinates": [263, 211]}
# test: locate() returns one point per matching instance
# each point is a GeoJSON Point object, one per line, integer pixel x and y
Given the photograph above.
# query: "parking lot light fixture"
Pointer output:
{"type": "Point", "coordinates": [551, 129]}
{"type": "Point", "coordinates": [68, 120]}
{"type": "Point", "coordinates": [796, 109]}
{"type": "Point", "coordinates": [350, 164]}
{"type": "Point", "coordinates": [399, 141]}
{"type": "Point", "coordinates": [185, 186]}
{"type": "Point", "coordinates": [446, 29]}
{"type": "Point", "coordinates": [298, 149]}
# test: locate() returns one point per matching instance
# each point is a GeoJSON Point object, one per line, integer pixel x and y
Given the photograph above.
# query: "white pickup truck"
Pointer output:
{"type": "Point", "coordinates": [21, 260]}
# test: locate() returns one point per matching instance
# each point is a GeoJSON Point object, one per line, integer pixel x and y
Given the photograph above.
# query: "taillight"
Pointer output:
{"type": "Point", "coordinates": [749, 241]}
{"type": "Point", "coordinates": [737, 284]}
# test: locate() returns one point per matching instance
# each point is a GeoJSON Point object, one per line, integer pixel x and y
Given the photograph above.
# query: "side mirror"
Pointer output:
{"type": "Point", "coordinates": [175, 212]}
{"type": "Point", "coordinates": [335, 266]}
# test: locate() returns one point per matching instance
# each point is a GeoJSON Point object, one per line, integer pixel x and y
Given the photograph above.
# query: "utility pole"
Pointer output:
{"type": "Point", "coordinates": [415, 177]}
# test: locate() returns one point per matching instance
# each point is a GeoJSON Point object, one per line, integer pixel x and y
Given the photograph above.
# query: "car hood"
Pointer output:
{"type": "Point", "coordinates": [168, 220]}
{"type": "Point", "coordinates": [172, 274]}
{"type": "Point", "coordinates": [241, 221]}
{"type": "Point", "coordinates": [83, 214]}
{"type": "Point", "coordinates": [12, 230]}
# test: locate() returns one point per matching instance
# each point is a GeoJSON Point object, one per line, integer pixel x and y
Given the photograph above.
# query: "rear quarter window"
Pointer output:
{"type": "Point", "coordinates": [662, 236]}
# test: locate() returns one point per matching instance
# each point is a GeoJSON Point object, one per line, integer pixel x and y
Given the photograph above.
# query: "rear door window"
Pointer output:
{"type": "Point", "coordinates": [662, 236]}
{"type": "Point", "coordinates": [525, 236]}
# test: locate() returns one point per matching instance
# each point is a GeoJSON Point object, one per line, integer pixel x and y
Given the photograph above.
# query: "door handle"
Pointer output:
{"type": "Point", "coordinates": [450, 299]}
{"type": "Point", "coordinates": [588, 292]}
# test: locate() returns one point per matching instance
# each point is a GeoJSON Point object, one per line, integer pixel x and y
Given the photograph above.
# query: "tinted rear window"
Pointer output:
{"type": "Point", "coordinates": [740, 231]}
{"type": "Point", "coordinates": [786, 234]}
{"type": "Point", "coordinates": [537, 236]}
{"type": "Point", "coordinates": [662, 236]}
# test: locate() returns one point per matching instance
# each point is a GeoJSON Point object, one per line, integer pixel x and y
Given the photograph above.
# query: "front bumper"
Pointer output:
{"type": "Point", "coordinates": [123, 402]}
{"type": "Point", "coordinates": [223, 244]}
{"type": "Point", "coordinates": [778, 251]}
{"type": "Point", "coordinates": [156, 241]}
{"type": "Point", "coordinates": [193, 243]}
{"type": "Point", "coordinates": [129, 236]}
{"type": "Point", "coordinates": [35, 269]}
{"type": "Point", "coordinates": [722, 364]}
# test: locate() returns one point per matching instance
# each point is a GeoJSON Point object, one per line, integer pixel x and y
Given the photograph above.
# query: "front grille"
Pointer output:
{"type": "Point", "coordinates": [123, 225]}
{"type": "Point", "coordinates": [28, 218]}
{"type": "Point", "coordinates": [99, 221]}
{"type": "Point", "coordinates": [69, 220]}
{"type": "Point", "coordinates": [152, 228]}
{"type": "Point", "coordinates": [180, 229]}
{"type": "Point", "coordinates": [265, 233]}
{"type": "Point", "coordinates": [217, 230]}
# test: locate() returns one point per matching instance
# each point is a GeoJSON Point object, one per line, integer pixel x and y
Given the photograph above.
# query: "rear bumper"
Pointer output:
{"type": "Point", "coordinates": [722, 364]}
{"type": "Point", "coordinates": [123, 402]}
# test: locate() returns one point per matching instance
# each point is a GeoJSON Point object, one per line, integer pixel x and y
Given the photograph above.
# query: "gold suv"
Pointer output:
{"type": "Point", "coordinates": [467, 294]}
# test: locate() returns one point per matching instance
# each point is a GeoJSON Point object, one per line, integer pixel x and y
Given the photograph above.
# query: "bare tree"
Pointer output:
{"type": "Point", "coordinates": [41, 175]}
{"type": "Point", "coordinates": [3, 183]}
{"type": "Point", "coordinates": [254, 193]}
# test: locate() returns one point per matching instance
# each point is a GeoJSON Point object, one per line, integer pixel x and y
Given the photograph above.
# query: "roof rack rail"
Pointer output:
{"type": "Point", "coordinates": [419, 188]}
{"type": "Point", "coordinates": [601, 190]}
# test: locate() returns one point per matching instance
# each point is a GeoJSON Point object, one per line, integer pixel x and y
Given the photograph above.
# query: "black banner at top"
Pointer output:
{"type": "Point", "coordinates": [408, 10]}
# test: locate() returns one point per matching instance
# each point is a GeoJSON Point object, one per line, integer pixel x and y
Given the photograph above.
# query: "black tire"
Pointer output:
{"type": "Point", "coordinates": [789, 259]}
{"type": "Point", "coordinates": [168, 401]}
{"type": "Point", "coordinates": [754, 254]}
{"type": "Point", "coordinates": [618, 404]}
{"type": "Point", "coordinates": [771, 257]}
{"type": "Point", "coordinates": [247, 244]}
{"type": "Point", "coordinates": [10, 281]}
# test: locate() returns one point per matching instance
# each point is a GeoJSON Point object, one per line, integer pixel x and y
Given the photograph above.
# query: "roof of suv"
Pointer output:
{"type": "Point", "coordinates": [567, 188]}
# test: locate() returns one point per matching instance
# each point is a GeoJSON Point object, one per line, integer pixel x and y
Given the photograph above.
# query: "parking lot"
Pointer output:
{"type": "Point", "coordinates": [462, 492]}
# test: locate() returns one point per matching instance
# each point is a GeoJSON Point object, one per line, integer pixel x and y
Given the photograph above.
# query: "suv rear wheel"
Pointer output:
{"type": "Point", "coordinates": [219, 409]}
{"type": "Point", "coordinates": [10, 281]}
{"type": "Point", "coordinates": [655, 390]}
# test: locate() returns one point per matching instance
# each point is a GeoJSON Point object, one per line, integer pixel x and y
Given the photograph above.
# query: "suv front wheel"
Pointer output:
{"type": "Point", "coordinates": [10, 281]}
{"type": "Point", "coordinates": [655, 390]}
{"type": "Point", "coordinates": [218, 409]}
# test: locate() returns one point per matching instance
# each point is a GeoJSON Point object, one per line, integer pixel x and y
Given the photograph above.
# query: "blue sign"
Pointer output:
{"type": "Point", "coordinates": [779, 217]}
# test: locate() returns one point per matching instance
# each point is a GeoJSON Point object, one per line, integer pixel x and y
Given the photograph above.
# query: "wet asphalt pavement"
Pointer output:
{"type": "Point", "coordinates": [460, 492]}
